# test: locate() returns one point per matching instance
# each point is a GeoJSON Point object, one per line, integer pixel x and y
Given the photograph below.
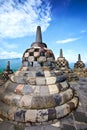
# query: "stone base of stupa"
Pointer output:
{"type": "Point", "coordinates": [76, 120]}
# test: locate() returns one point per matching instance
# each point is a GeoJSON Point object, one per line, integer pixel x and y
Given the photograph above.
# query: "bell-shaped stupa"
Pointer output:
{"type": "Point", "coordinates": [79, 64]}
{"type": "Point", "coordinates": [8, 69]}
{"type": "Point", "coordinates": [4, 76]}
{"type": "Point", "coordinates": [35, 93]}
{"type": "Point", "coordinates": [79, 67]}
{"type": "Point", "coordinates": [62, 63]}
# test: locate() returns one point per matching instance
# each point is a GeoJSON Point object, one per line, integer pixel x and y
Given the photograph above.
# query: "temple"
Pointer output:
{"type": "Point", "coordinates": [35, 93]}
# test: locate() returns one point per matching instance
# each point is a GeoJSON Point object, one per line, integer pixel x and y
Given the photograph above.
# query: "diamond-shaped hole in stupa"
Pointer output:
{"type": "Point", "coordinates": [35, 93]}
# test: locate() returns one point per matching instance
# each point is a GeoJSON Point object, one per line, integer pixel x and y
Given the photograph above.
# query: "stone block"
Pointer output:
{"type": "Point", "coordinates": [40, 74]}
{"type": "Point", "coordinates": [20, 115]}
{"type": "Point", "coordinates": [31, 58]}
{"type": "Point", "coordinates": [50, 80]}
{"type": "Point", "coordinates": [38, 102]}
{"type": "Point", "coordinates": [51, 113]}
{"type": "Point", "coordinates": [19, 88]}
{"type": "Point", "coordinates": [25, 101]}
{"type": "Point", "coordinates": [40, 80]}
{"type": "Point", "coordinates": [37, 90]}
{"type": "Point", "coordinates": [36, 54]}
{"type": "Point", "coordinates": [27, 89]}
{"type": "Point", "coordinates": [58, 99]}
{"type": "Point", "coordinates": [47, 73]}
{"type": "Point", "coordinates": [66, 95]}
{"type": "Point", "coordinates": [11, 113]}
{"type": "Point", "coordinates": [53, 89]}
{"type": "Point", "coordinates": [31, 115]}
{"type": "Point", "coordinates": [11, 98]}
{"type": "Point", "coordinates": [50, 59]}
{"type": "Point", "coordinates": [64, 85]}
{"type": "Point", "coordinates": [42, 115]}
{"type": "Point", "coordinates": [61, 111]}
{"type": "Point", "coordinates": [26, 54]}
{"type": "Point", "coordinates": [31, 80]}
{"type": "Point", "coordinates": [44, 90]}
{"type": "Point", "coordinates": [42, 59]}
{"type": "Point", "coordinates": [26, 63]}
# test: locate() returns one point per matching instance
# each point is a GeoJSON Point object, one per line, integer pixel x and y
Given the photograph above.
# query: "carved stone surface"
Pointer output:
{"type": "Point", "coordinates": [36, 93]}
{"type": "Point", "coordinates": [79, 68]}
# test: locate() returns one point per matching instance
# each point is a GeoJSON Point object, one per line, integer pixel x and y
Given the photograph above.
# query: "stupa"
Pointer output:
{"type": "Point", "coordinates": [8, 69]}
{"type": "Point", "coordinates": [62, 63]}
{"type": "Point", "coordinates": [4, 76]}
{"type": "Point", "coordinates": [35, 93]}
{"type": "Point", "coordinates": [79, 67]}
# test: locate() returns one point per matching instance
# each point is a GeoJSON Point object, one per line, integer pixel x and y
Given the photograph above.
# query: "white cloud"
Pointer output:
{"type": "Point", "coordinates": [7, 46]}
{"type": "Point", "coordinates": [8, 50]}
{"type": "Point", "coordinates": [83, 31]}
{"type": "Point", "coordinates": [67, 40]}
{"type": "Point", "coordinates": [9, 54]}
{"type": "Point", "coordinates": [20, 19]}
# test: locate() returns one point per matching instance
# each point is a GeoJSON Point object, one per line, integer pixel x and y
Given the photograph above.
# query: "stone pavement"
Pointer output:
{"type": "Point", "coordinates": [77, 120]}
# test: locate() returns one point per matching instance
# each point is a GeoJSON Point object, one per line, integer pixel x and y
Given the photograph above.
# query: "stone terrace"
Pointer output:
{"type": "Point", "coordinates": [77, 120]}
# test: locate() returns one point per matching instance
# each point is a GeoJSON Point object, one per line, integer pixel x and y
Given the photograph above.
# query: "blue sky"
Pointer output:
{"type": "Point", "coordinates": [63, 23]}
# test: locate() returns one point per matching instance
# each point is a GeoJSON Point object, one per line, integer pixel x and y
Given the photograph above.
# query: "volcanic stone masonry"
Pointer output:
{"type": "Point", "coordinates": [63, 65]}
{"type": "Point", "coordinates": [4, 76]}
{"type": "Point", "coordinates": [79, 68]}
{"type": "Point", "coordinates": [35, 93]}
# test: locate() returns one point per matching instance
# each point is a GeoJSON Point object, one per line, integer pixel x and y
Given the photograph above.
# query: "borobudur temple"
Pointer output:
{"type": "Point", "coordinates": [35, 93]}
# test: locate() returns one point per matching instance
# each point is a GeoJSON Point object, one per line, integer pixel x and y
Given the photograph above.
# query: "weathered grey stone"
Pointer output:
{"type": "Point", "coordinates": [31, 116]}
{"type": "Point", "coordinates": [50, 80]}
{"type": "Point", "coordinates": [44, 90]}
{"type": "Point", "coordinates": [42, 59]}
{"type": "Point", "coordinates": [40, 81]}
{"type": "Point", "coordinates": [42, 115]}
{"type": "Point", "coordinates": [47, 73]}
{"type": "Point", "coordinates": [31, 58]}
{"type": "Point", "coordinates": [20, 115]}
{"type": "Point", "coordinates": [27, 89]}
{"type": "Point", "coordinates": [51, 113]}
{"type": "Point", "coordinates": [36, 93]}
{"type": "Point", "coordinates": [31, 80]}
{"type": "Point", "coordinates": [25, 101]}
{"type": "Point", "coordinates": [64, 85]}
{"type": "Point", "coordinates": [53, 89]}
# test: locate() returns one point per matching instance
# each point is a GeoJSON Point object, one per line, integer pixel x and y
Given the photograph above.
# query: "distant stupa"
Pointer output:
{"type": "Point", "coordinates": [79, 64]}
{"type": "Point", "coordinates": [8, 70]}
{"type": "Point", "coordinates": [35, 93]}
{"type": "Point", "coordinates": [4, 76]}
{"type": "Point", "coordinates": [79, 68]}
{"type": "Point", "coordinates": [61, 62]}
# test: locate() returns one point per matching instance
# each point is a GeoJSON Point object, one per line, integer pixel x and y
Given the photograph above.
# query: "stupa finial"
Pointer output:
{"type": "Point", "coordinates": [61, 53]}
{"type": "Point", "coordinates": [79, 57]}
{"type": "Point", "coordinates": [8, 66]}
{"type": "Point", "coordinates": [38, 35]}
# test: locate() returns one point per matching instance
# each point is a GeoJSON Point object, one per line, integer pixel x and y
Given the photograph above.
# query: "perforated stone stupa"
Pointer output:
{"type": "Point", "coordinates": [35, 93]}
{"type": "Point", "coordinates": [62, 63]}
{"type": "Point", "coordinates": [79, 67]}
{"type": "Point", "coordinates": [4, 76]}
{"type": "Point", "coordinates": [8, 69]}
